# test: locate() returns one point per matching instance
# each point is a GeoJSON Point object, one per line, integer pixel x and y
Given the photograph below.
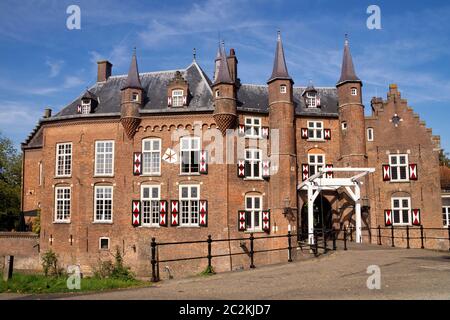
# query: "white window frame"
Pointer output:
{"type": "Point", "coordinates": [86, 106]}
{"type": "Point", "coordinates": [150, 153]}
{"type": "Point", "coordinates": [370, 135]}
{"type": "Point", "coordinates": [396, 167]}
{"type": "Point", "coordinates": [446, 214]}
{"type": "Point", "coordinates": [40, 173]}
{"type": "Point", "coordinates": [191, 211]}
{"type": "Point", "coordinates": [153, 207]}
{"type": "Point", "coordinates": [315, 130]}
{"type": "Point", "coordinates": [100, 243]}
{"type": "Point", "coordinates": [401, 208]}
{"type": "Point", "coordinates": [64, 156]}
{"type": "Point", "coordinates": [315, 164]}
{"type": "Point", "coordinates": [311, 100]}
{"type": "Point", "coordinates": [283, 88]}
{"type": "Point", "coordinates": [354, 91]}
{"type": "Point", "coordinates": [103, 213]}
{"type": "Point", "coordinates": [253, 156]}
{"type": "Point", "coordinates": [64, 216]}
{"type": "Point", "coordinates": [190, 149]}
{"type": "Point", "coordinates": [253, 127]}
{"type": "Point", "coordinates": [217, 93]}
{"type": "Point", "coordinates": [104, 154]}
{"type": "Point", "coordinates": [135, 96]}
{"type": "Point", "coordinates": [253, 210]}
{"type": "Point", "coordinates": [177, 97]}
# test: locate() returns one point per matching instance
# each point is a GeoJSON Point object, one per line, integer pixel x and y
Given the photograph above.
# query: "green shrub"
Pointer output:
{"type": "Point", "coordinates": [50, 264]}
{"type": "Point", "coordinates": [208, 271]}
{"type": "Point", "coordinates": [36, 228]}
{"type": "Point", "coordinates": [116, 270]}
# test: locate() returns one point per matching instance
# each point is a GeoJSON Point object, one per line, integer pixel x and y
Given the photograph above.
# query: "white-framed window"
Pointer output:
{"type": "Point", "coordinates": [315, 130]}
{"type": "Point", "coordinates": [190, 153]}
{"type": "Point", "coordinates": [283, 88]}
{"type": "Point", "coordinates": [254, 169]}
{"type": "Point", "coordinates": [252, 127]}
{"type": "Point", "coordinates": [399, 167]}
{"type": "Point", "coordinates": [62, 204]}
{"type": "Point", "coordinates": [354, 92]}
{"type": "Point", "coordinates": [446, 216]}
{"type": "Point", "coordinates": [253, 204]}
{"type": "Point", "coordinates": [189, 205]}
{"type": "Point", "coordinates": [217, 93]}
{"type": "Point", "coordinates": [40, 173]}
{"type": "Point", "coordinates": [104, 158]}
{"type": "Point", "coordinates": [370, 136]}
{"type": "Point", "coordinates": [151, 156]}
{"type": "Point", "coordinates": [103, 203]}
{"type": "Point", "coordinates": [311, 101]}
{"type": "Point", "coordinates": [344, 125]}
{"type": "Point", "coordinates": [103, 243]}
{"type": "Point", "coordinates": [401, 210]}
{"type": "Point", "coordinates": [135, 96]}
{"type": "Point", "coordinates": [177, 98]}
{"type": "Point", "coordinates": [150, 196]}
{"type": "Point", "coordinates": [86, 106]}
{"type": "Point", "coordinates": [315, 163]}
{"type": "Point", "coordinates": [64, 159]}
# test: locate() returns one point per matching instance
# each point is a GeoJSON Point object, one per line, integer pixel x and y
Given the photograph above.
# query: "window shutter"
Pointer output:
{"type": "Point", "coordinates": [137, 163]}
{"type": "Point", "coordinates": [304, 133]}
{"type": "Point", "coordinates": [247, 169]}
{"type": "Point", "coordinates": [174, 213]}
{"type": "Point", "coordinates": [318, 102]}
{"type": "Point", "coordinates": [79, 109]}
{"type": "Point", "coordinates": [169, 101]}
{"type": "Point", "coordinates": [203, 222]}
{"type": "Point", "coordinates": [163, 213]}
{"type": "Point", "coordinates": [266, 169]}
{"type": "Point", "coordinates": [329, 175]}
{"type": "Point", "coordinates": [388, 218]}
{"type": "Point", "coordinates": [241, 169]}
{"type": "Point", "coordinates": [327, 134]}
{"type": "Point", "coordinates": [184, 100]}
{"type": "Point", "coordinates": [204, 162]}
{"type": "Point", "coordinates": [305, 171]}
{"type": "Point", "coordinates": [386, 172]}
{"type": "Point", "coordinates": [241, 130]}
{"type": "Point", "coordinates": [241, 221]}
{"type": "Point", "coordinates": [266, 221]}
{"type": "Point", "coordinates": [416, 217]}
{"type": "Point", "coordinates": [265, 132]}
{"type": "Point", "coordinates": [413, 171]}
{"type": "Point", "coordinates": [135, 213]}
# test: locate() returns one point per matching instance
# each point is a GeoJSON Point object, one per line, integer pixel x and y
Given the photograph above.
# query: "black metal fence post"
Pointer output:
{"type": "Point", "coordinates": [421, 237]}
{"type": "Point", "coordinates": [289, 235]}
{"type": "Point", "coordinates": [153, 261]}
{"type": "Point", "coordinates": [407, 237]}
{"type": "Point", "coordinates": [351, 233]}
{"type": "Point", "coordinates": [252, 265]}
{"type": "Point", "coordinates": [316, 244]}
{"type": "Point", "coordinates": [325, 238]}
{"type": "Point", "coordinates": [392, 236]}
{"type": "Point", "coordinates": [345, 238]}
{"type": "Point", "coordinates": [379, 235]}
{"type": "Point", "coordinates": [334, 239]}
{"type": "Point", "coordinates": [209, 253]}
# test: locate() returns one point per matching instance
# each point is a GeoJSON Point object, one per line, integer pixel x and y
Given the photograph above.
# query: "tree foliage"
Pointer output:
{"type": "Point", "coordinates": [443, 159]}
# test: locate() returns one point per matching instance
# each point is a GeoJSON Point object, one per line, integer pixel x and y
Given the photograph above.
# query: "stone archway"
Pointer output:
{"type": "Point", "coordinates": [323, 216]}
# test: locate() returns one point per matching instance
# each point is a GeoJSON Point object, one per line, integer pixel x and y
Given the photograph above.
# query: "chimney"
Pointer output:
{"type": "Point", "coordinates": [47, 113]}
{"type": "Point", "coordinates": [104, 70]}
{"type": "Point", "coordinates": [232, 64]}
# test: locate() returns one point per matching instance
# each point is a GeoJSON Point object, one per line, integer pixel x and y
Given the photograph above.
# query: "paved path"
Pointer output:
{"type": "Point", "coordinates": [405, 274]}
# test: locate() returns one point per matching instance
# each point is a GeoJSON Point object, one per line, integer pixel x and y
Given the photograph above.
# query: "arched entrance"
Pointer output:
{"type": "Point", "coordinates": [323, 217]}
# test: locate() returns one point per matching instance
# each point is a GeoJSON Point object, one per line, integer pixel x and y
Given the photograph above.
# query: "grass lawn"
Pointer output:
{"type": "Point", "coordinates": [36, 283]}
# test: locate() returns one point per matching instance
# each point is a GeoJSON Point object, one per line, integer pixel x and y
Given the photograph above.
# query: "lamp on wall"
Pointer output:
{"type": "Point", "coordinates": [287, 211]}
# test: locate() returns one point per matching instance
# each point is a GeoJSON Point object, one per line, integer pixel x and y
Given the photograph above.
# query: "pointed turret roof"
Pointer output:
{"type": "Point", "coordinates": [348, 69]}
{"type": "Point", "coordinates": [279, 64]}
{"type": "Point", "coordinates": [89, 95]}
{"type": "Point", "coordinates": [133, 80]}
{"type": "Point", "coordinates": [223, 74]}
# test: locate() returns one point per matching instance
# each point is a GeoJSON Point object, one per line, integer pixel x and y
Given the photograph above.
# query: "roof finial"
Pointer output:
{"type": "Point", "coordinates": [134, 51]}
{"type": "Point", "coordinates": [346, 39]}
{"type": "Point", "coordinates": [278, 35]}
{"type": "Point", "coordinates": [194, 53]}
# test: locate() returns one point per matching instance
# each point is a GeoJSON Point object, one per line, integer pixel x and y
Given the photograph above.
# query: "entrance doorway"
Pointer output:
{"type": "Point", "coordinates": [323, 217]}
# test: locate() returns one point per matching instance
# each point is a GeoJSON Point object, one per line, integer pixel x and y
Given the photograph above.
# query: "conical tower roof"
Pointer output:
{"type": "Point", "coordinates": [223, 74]}
{"type": "Point", "coordinates": [348, 73]}
{"type": "Point", "coordinates": [133, 80]}
{"type": "Point", "coordinates": [279, 65]}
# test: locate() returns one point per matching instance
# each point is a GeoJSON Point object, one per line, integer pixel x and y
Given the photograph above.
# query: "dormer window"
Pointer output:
{"type": "Point", "coordinates": [85, 106]}
{"type": "Point", "coordinates": [177, 98]}
{"type": "Point", "coordinates": [354, 92]}
{"type": "Point", "coordinates": [311, 101]}
{"type": "Point", "coordinates": [135, 96]}
{"type": "Point", "coordinates": [283, 89]}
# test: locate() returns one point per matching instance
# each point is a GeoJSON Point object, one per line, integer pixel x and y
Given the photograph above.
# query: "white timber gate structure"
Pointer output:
{"type": "Point", "coordinates": [352, 185]}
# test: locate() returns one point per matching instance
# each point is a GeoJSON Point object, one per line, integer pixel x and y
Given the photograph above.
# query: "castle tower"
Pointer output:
{"type": "Point", "coordinates": [132, 99]}
{"type": "Point", "coordinates": [225, 113]}
{"type": "Point", "coordinates": [351, 114]}
{"type": "Point", "coordinates": [283, 181]}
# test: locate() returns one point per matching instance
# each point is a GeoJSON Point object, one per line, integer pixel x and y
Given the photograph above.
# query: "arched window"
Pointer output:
{"type": "Point", "coordinates": [253, 207]}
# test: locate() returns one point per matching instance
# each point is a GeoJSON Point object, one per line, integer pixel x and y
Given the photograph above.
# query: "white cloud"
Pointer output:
{"type": "Point", "coordinates": [55, 67]}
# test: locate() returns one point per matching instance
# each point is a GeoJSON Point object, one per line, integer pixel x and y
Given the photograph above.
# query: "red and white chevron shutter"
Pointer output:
{"type": "Point", "coordinates": [184, 100]}
{"type": "Point", "coordinates": [413, 171]}
{"type": "Point", "coordinates": [318, 103]}
{"type": "Point", "coordinates": [79, 109]}
{"type": "Point", "coordinates": [137, 163]}
{"type": "Point", "coordinates": [203, 222]}
{"type": "Point", "coordinates": [305, 171]}
{"type": "Point", "coordinates": [327, 134]}
{"type": "Point", "coordinates": [329, 175]}
{"type": "Point", "coordinates": [204, 162]}
{"type": "Point", "coordinates": [241, 220]}
{"type": "Point", "coordinates": [135, 213]}
{"type": "Point", "coordinates": [386, 169]}
{"type": "Point", "coordinates": [241, 130]}
{"type": "Point", "coordinates": [266, 169]}
{"type": "Point", "coordinates": [174, 213]}
{"type": "Point", "coordinates": [416, 217]}
{"type": "Point", "coordinates": [388, 218]}
{"type": "Point", "coordinates": [266, 221]}
{"type": "Point", "coordinates": [241, 168]}
{"type": "Point", "coordinates": [169, 101]}
{"type": "Point", "coordinates": [163, 213]}
{"type": "Point", "coordinates": [304, 133]}
{"type": "Point", "coordinates": [265, 132]}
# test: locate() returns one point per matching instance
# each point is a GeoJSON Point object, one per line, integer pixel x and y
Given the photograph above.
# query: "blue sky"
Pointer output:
{"type": "Point", "coordinates": [42, 63]}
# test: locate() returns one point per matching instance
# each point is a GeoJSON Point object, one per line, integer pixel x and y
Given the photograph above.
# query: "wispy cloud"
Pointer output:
{"type": "Point", "coordinates": [55, 67]}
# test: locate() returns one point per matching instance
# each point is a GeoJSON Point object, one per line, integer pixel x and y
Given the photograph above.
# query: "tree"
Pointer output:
{"type": "Point", "coordinates": [443, 159]}
{"type": "Point", "coordinates": [10, 182]}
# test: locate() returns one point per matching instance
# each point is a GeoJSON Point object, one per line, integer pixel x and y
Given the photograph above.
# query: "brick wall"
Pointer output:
{"type": "Point", "coordinates": [23, 246]}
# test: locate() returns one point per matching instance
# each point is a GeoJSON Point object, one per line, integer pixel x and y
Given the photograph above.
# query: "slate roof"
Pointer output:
{"type": "Point", "coordinates": [279, 64]}
{"type": "Point", "coordinates": [348, 69]}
